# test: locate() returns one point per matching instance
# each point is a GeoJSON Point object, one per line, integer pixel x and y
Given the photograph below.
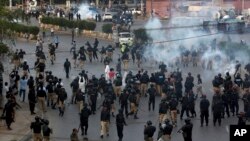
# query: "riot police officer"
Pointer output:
{"type": "Point", "coordinates": [152, 93]}
{"type": "Point", "coordinates": [84, 117]}
{"type": "Point", "coordinates": [204, 109]}
{"type": "Point", "coordinates": [187, 130]}
{"type": "Point", "coordinates": [120, 122]}
{"type": "Point", "coordinates": [149, 131]}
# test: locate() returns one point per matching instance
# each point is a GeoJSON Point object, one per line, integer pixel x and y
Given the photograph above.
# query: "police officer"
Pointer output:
{"type": "Point", "coordinates": [120, 122]}
{"type": "Point", "coordinates": [90, 51]}
{"type": "Point", "coordinates": [37, 129]}
{"type": "Point", "coordinates": [187, 130]}
{"type": "Point", "coordinates": [105, 120]}
{"type": "Point", "coordinates": [152, 93]}
{"type": "Point", "coordinates": [125, 59]}
{"type": "Point", "coordinates": [52, 53]}
{"type": "Point", "coordinates": [217, 107]}
{"type": "Point", "coordinates": [191, 103]}
{"type": "Point", "coordinates": [82, 58]}
{"type": "Point", "coordinates": [159, 80]}
{"type": "Point", "coordinates": [80, 99]}
{"type": "Point", "coordinates": [184, 107]}
{"type": "Point", "coordinates": [204, 109]}
{"type": "Point", "coordinates": [75, 87]}
{"type": "Point", "coordinates": [246, 83]}
{"type": "Point", "coordinates": [46, 131]}
{"type": "Point", "coordinates": [123, 101]}
{"type": "Point", "coordinates": [173, 103]}
{"type": "Point", "coordinates": [118, 85]}
{"type": "Point", "coordinates": [163, 109]}
{"type": "Point", "coordinates": [84, 117]}
{"type": "Point", "coordinates": [189, 83]}
{"type": "Point", "coordinates": [238, 80]}
{"type": "Point", "coordinates": [226, 101]}
{"type": "Point", "coordinates": [67, 67]}
{"type": "Point", "coordinates": [165, 131]}
{"type": "Point", "coordinates": [149, 131]}
{"type": "Point", "coordinates": [144, 79]}
{"type": "Point", "coordinates": [50, 90]}
{"type": "Point", "coordinates": [26, 69]}
{"type": "Point", "coordinates": [246, 101]}
{"type": "Point", "coordinates": [92, 92]}
{"type": "Point", "coordinates": [133, 99]}
{"type": "Point", "coordinates": [163, 67]}
{"type": "Point", "coordinates": [234, 104]}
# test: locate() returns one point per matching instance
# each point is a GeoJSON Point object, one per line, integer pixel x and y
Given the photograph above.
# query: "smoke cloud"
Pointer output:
{"type": "Point", "coordinates": [86, 12]}
{"type": "Point", "coordinates": [166, 44]}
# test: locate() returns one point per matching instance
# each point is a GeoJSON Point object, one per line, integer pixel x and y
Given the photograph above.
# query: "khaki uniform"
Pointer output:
{"type": "Point", "coordinates": [41, 103]}
{"type": "Point", "coordinates": [104, 127]}
{"type": "Point", "coordinates": [118, 90]}
{"type": "Point", "coordinates": [144, 88]}
{"type": "Point", "coordinates": [37, 137]}
{"type": "Point", "coordinates": [125, 64]}
{"type": "Point", "coordinates": [174, 116]}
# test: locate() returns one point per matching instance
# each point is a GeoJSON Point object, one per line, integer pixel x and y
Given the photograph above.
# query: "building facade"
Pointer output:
{"type": "Point", "coordinates": [160, 8]}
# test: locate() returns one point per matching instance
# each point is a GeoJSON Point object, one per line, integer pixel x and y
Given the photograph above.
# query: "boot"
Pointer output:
{"type": "Point", "coordinates": [135, 116]}
{"type": "Point", "coordinates": [113, 114]}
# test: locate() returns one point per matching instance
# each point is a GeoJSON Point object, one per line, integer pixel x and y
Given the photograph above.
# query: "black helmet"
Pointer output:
{"type": "Point", "coordinates": [120, 111]}
{"type": "Point", "coordinates": [46, 122]}
{"type": "Point", "coordinates": [37, 118]}
{"type": "Point", "coordinates": [187, 120]}
{"type": "Point", "coordinates": [149, 122]}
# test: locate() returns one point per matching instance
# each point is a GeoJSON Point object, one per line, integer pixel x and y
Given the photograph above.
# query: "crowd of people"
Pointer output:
{"type": "Point", "coordinates": [45, 89]}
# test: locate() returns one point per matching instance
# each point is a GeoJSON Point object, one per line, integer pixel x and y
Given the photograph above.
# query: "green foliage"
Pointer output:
{"type": "Point", "coordinates": [62, 22]}
{"type": "Point", "coordinates": [3, 48]}
{"type": "Point", "coordinates": [107, 28]}
{"type": "Point", "coordinates": [19, 28]}
{"type": "Point", "coordinates": [141, 35]}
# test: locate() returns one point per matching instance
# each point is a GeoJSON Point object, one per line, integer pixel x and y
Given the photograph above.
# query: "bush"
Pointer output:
{"type": "Point", "coordinates": [3, 48]}
{"type": "Point", "coordinates": [107, 28]}
{"type": "Point", "coordinates": [141, 35]}
{"type": "Point", "coordinates": [19, 28]}
{"type": "Point", "coordinates": [62, 22]}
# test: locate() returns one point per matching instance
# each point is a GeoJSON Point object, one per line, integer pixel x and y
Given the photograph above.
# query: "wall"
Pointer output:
{"type": "Point", "coordinates": [161, 8]}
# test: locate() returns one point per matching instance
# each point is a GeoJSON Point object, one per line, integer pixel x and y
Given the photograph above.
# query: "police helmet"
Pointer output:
{"type": "Point", "coordinates": [46, 122]}
{"type": "Point", "coordinates": [187, 120]}
{"type": "Point", "coordinates": [37, 118]}
{"type": "Point", "coordinates": [149, 122]}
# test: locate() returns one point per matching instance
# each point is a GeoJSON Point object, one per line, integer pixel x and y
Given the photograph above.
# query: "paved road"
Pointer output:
{"type": "Point", "coordinates": [62, 126]}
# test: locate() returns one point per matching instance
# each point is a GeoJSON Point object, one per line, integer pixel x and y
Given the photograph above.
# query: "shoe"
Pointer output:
{"type": "Point", "coordinates": [201, 125]}
{"type": "Point", "coordinates": [33, 113]}
{"type": "Point", "coordinates": [135, 117]}
{"type": "Point", "coordinates": [101, 136]}
{"type": "Point", "coordinates": [9, 128]}
{"type": "Point", "coordinates": [82, 133]}
{"type": "Point", "coordinates": [206, 124]}
{"type": "Point", "coordinates": [107, 134]}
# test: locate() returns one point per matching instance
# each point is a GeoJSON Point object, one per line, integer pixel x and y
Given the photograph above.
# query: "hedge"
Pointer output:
{"type": "Point", "coordinates": [3, 48]}
{"type": "Point", "coordinates": [107, 28]}
{"type": "Point", "coordinates": [19, 28]}
{"type": "Point", "coordinates": [62, 22]}
{"type": "Point", "coordinates": [141, 35]}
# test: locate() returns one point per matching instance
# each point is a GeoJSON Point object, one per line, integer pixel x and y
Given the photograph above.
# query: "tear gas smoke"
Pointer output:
{"type": "Point", "coordinates": [85, 12]}
{"type": "Point", "coordinates": [170, 52]}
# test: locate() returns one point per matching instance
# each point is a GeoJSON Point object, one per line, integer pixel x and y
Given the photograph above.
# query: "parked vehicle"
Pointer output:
{"type": "Point", "coordinates": [107, 17]}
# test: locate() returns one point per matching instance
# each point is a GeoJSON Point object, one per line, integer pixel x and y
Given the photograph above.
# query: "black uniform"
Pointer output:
{"type": "Point", "coordinates": [149, 131]}
{"type": "Point", "coordinates": [187, 131]}
{"type": "Point", "coordinates": [152, 93]}
{"type": "Point", "coordinates": [36, 126]}
{"type": "Point", "coordinates": [32, 99]}
{"type": "Point", "coordinates": [120, 122]}
{"type": "Point", "coordinates": [84, 117]}
{"type": "Point", "coordinates": [123, 100]}
{"type": "Point", "coordinates": [217, 107]}
{"type": "Point", "coordinates": [234, 104]}
{"type": "Point", "coordinates": [185, 104]}
{"type": "Point", "coordinates": [204, 109]}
